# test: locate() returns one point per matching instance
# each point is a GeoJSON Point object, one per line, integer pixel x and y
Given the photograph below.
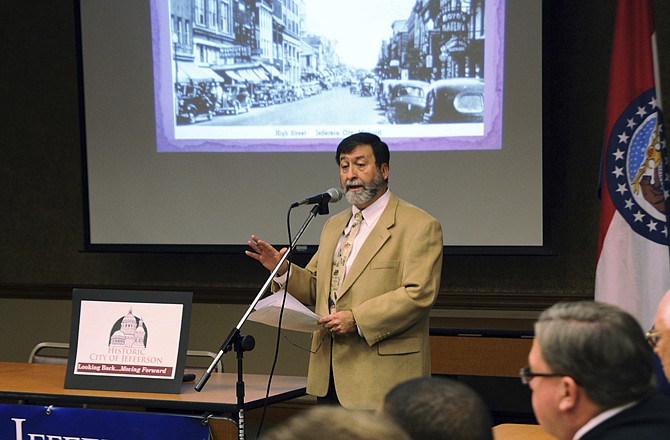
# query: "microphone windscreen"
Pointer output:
{"type": "Point", "coordinates": [335, 194]}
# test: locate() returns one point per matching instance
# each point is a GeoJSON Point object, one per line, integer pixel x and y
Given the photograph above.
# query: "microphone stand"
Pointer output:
{"type": "Point", "coordinates": [246, 343]}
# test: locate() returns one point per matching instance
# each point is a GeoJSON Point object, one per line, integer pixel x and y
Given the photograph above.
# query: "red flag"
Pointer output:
{"type": "Point", "coordinates": [633, 268]}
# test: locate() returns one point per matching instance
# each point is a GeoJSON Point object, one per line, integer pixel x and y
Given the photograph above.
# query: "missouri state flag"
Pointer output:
{"type": "Point", "coordinates": [633, 269]}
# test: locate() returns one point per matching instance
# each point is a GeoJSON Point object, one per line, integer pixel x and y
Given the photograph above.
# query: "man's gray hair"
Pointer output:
{"type": "Point", "coordinates": [600, 346]}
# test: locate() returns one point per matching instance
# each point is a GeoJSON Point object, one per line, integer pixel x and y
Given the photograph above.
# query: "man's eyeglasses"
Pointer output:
{"type": "Point", "coordinates": [652, 337]}
{"type": "Point", "coordinates": [318, 347]}
{"type": "Point", "coordinates": [526, 375]}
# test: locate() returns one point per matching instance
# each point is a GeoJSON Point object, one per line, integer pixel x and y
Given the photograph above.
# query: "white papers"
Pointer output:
{"type": "Point", "coordinates": [296, 316]}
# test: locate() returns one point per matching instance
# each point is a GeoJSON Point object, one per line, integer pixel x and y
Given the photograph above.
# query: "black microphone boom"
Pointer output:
{"type": "Point", "coordinates": [331, 196]}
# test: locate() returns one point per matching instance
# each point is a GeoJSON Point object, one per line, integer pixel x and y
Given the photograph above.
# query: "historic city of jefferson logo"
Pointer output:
{"type": "Point", "coordinates": [128, 331]}
{"type": "Point", "coordinates": [636, 170]}
{"type": "Point", "coordinates": [123, 349]}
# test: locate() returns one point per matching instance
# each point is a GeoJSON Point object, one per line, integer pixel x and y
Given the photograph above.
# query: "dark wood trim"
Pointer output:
{"type": "Point", "coordinates": [524, 301]}
{"type": "Point", "coordinates": [531, 301]}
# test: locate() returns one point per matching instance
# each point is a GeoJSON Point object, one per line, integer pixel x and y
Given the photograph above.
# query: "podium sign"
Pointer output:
{"type": "Point", "coordinates": [127, 340]}
{"type": "Point", "coordinates": [56, 423]}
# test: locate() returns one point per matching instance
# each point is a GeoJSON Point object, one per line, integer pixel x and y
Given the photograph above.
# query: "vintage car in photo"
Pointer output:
{"type": "Point", "coordinates": [193, 104]}
{"type": "Point", "coordinates": [262, 95]}
{"type": "Point", "coordinates": [367, 87]}
{"type": "Point", "coordinates": [281, 93]}
{"type": "Point", "coordinates": [236, 98]}
{"type": "Point", "coordinates": [296, 93]}
{"type": "Point", "coordinates": [455, 100]}
{"type": "Point", "coordinates": [406, 100]}
{"type": "Point", "coordinates": [384, 92]}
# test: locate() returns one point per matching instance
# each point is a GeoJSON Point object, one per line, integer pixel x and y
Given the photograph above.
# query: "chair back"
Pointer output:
{"type": "Point", "coordinates": [49, 353]}
{"type": "Point", "coordinates": [57, 353]}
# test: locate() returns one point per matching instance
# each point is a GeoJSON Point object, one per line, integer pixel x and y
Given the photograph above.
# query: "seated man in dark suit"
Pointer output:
{"type": "Point", "coordinates": [662, 384]}
{"type": "Point", "coordinates": [590, 371]}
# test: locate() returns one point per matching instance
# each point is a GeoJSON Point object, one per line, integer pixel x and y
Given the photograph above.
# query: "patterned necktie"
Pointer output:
{"type": "Point", "coordinates": [340, 260]}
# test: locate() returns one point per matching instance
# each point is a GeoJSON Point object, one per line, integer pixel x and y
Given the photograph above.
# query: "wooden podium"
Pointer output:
{"type": "Point", "coordinates": [514, 431]}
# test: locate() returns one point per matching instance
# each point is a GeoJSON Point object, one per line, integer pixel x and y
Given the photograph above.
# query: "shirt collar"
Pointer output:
{"type": "Point", "coordinates": [372, 213]}
{"type": "Point", "coordinates": [600, 418]}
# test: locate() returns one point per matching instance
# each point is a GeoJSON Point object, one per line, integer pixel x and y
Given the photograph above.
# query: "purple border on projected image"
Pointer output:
{"type": "Point", "coordinates": [164, 102]}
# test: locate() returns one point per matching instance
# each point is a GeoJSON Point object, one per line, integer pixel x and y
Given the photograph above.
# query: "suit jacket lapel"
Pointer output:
{"type": "Point", "coordinates": [374, 242]}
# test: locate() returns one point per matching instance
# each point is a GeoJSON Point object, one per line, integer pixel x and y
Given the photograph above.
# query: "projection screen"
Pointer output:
{"type": "Point", "coordinates": [202, 121]}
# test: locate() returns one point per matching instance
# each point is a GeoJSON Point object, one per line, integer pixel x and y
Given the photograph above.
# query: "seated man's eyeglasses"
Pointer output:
{"type": "Point", "coordinates": [526, 375]}
{"type": "Point", "coordinates": [652, 337]}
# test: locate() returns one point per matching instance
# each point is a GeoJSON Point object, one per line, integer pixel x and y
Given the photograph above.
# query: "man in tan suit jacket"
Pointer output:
{"type": "Point", "coordinates": [376, 335]}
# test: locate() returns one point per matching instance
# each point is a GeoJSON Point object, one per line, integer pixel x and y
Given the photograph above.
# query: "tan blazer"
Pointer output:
{"type": "Point", "coordinates": [390, 287]}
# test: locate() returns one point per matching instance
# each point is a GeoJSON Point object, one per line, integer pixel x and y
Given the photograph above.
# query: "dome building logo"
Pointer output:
{"type": "Point", "coordinates": [129, 331]}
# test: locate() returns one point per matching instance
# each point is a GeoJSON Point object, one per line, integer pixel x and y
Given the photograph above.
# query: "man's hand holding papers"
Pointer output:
{"type": "Point", "coordinates": [296, 316]}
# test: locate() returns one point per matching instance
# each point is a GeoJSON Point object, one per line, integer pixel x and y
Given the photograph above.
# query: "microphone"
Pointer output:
{"type": "Point", "coordinates": [331, 196]}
